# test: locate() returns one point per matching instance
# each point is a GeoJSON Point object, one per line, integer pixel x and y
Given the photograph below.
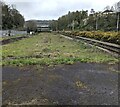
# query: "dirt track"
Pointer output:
{"type": "Point", "coordinates": [78, 84]}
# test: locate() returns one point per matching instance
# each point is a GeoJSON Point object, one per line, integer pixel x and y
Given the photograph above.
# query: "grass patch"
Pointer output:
{"type": "Point", "coordinates": [80, 84]}
{"type": "Point", "coordinates": [50, 49]}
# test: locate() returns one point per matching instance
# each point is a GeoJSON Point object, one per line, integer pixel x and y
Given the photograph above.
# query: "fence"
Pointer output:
{"type": "Point", "coordinates": [13, 32]}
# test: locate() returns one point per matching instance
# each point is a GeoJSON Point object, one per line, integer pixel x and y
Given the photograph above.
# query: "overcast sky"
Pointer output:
{"type": "Point", "coordinates": [52, 9]}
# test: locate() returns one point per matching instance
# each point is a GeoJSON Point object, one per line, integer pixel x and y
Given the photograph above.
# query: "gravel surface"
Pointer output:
{"type": "Point", "coordinates": [77, 84]}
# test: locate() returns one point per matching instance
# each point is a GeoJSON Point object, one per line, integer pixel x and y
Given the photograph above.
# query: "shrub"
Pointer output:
{"type": "Point", "coordinates": [113, 37]}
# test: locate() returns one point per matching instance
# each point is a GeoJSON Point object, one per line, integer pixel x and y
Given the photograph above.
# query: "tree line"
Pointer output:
{"type": "Point", "coordinates": [107, 20]}
{"type": "Point", "coordinates": [11, 17]}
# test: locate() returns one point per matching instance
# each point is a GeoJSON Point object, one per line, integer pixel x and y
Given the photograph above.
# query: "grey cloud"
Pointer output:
{"type": "Point", "coordinates": [52, 9]}
{"type": "Point", "coordinates": [59, 9]}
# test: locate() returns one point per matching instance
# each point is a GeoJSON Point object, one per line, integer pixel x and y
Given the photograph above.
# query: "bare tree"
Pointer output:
{"type": "Point", "coordinates": [117, 7]}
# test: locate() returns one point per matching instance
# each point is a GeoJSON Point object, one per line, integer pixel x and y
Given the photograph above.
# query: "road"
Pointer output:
{"type": "Point", "coordinates": [77, 84]}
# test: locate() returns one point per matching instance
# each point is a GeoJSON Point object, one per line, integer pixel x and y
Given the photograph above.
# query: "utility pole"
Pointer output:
{"type": "Point", "coordinates": [94, 16]}
{"type": "Point", "coordinates": [56, 26]}
{"type": "Point", "coordinates": [73, 25]}
{"type": "Point", "coordinates": [96, 22]}
{"type": "Point", "coordinates": [117, 6]}
{"type": "Point", "coordinates": [118, 18]}
{"type": "Point", "coordinates": [1, 16]}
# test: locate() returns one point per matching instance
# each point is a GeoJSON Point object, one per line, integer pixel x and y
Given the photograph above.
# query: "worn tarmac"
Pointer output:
{"type": "Point", "coordinates": [77, 84]}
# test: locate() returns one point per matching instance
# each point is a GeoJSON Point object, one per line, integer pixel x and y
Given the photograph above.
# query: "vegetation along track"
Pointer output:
{"type": "Point", "coordinates": [51, 49]}
{"type": "Point", "coordinates": [111, 48]}
{"type": "Point", "coordinates": [12, 39]}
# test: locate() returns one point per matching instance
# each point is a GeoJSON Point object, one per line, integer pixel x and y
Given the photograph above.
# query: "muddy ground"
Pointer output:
{"type": "Point", "coordinates": [77, 84]}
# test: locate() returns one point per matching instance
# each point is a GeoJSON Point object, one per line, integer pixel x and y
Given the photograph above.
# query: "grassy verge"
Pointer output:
{"type": "Point", "coordinates": [50, 49]}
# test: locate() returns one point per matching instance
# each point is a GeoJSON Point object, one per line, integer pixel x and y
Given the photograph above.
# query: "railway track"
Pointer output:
{"type": "Point", "coordinates": [111, 48]}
